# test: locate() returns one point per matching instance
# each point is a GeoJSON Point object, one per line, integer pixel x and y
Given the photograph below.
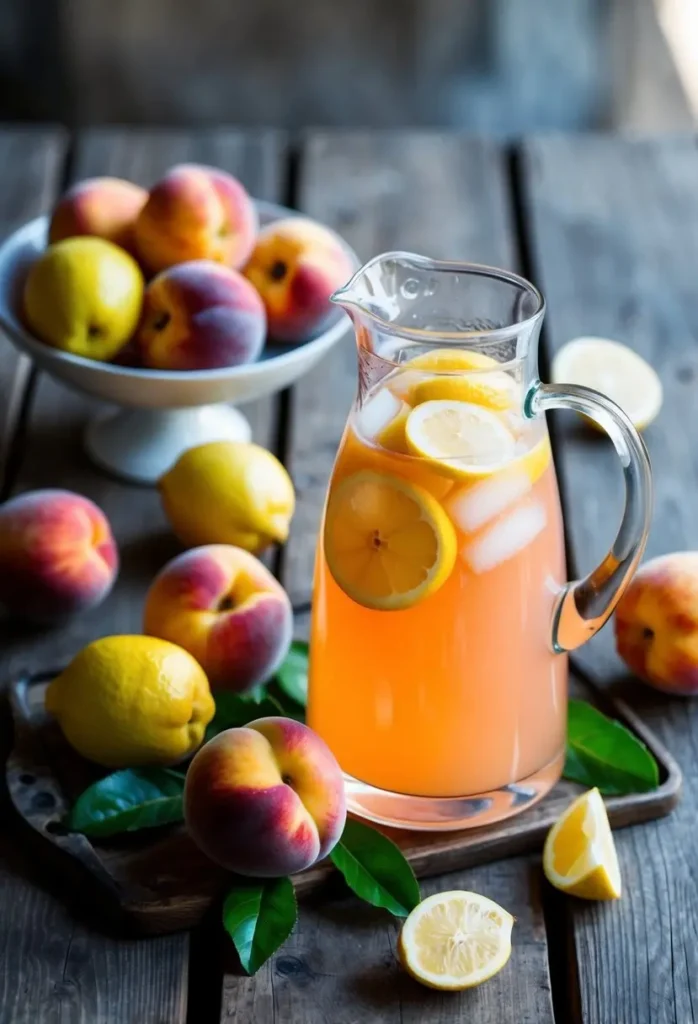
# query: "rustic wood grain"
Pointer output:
{"type": "Point", "coordinates": [341, 965]}
{"type": "Point", "coordinates": [60, 967]}
{"type": "Point", "coordinates": [440, 196]}
{"type": "Point", "coordinates": [30, 164]}
{"type": "Point", "coordinates": [615, 246]}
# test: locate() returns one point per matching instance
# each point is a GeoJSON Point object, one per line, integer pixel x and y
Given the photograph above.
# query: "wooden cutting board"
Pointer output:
{"type": "Point", "coordinates": [159, 882]}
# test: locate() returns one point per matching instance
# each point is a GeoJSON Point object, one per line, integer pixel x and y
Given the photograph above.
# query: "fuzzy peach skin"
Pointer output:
{"type": "Point", "coordinates": [295, 266]}
{"type": "Point", "coordinates": [106, 207]}
{"type": "Point", "coordinates": [223, 606]}
{"type": "Point", "coordinates": [196, 213]}
{"type": "Point", "coordinates": [57, 555]}
{"type": "Point", "coordinates": [656, 623]}
{"type": "Point", "coordinates": [198, 316]}
{"type": "Point", "coordinates": [266, 800]}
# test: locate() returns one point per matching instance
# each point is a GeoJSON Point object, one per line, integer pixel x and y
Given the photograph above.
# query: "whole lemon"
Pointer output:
{"type": "Point", "coordinates": [228, 492]}
{"type": "Point", "coordinates": [129, 701]}
{"type": "Point", "coordinates": [84, 295]}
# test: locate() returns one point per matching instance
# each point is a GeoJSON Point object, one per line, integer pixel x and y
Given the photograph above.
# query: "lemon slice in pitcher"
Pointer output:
{"type": "Point", "coordinates": [579, 856]}
{"type": "Point", "coordinates": [388, 542]}
{"type": "Point", "coordinates": [465, 440]}
{"type": "Point", "coordinates": [455, 940]}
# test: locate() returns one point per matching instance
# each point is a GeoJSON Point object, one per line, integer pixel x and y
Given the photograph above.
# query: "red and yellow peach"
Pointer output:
{"type": "Point", "coordinates": [295, 266]}
{"type": "Point", "coordinates": [265, 800]}
{"type": "Point", "coordinates": [198, 316]}
{"type": "Point", "coordinates": [656, 623]}
{"type": "Point", "coordinates": [195, 213]}
{"type": "Point", "coordinates": [223, 606]}
{"type": "Point", "coordinates": [106, 207]}
{"type": "Point", "coordinates": [57, 555]}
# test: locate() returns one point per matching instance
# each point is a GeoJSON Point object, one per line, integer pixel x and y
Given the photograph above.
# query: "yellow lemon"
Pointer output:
{"type": "Point", "coordinates": [452, 360]}
{"type": "Point", "coordinates": [388, 542]}
{"type": "Point", "coordinates": [494, 390]}
{"type": "Point", "coordinates": [84, 295]}
{"type": "Point", "coordinates": [455, 940]}
{"type": "Point", "coordinates": [579, 856]}
{"type": "Point", "coordinates": [392, 436]}
{"type": "Point", "coordinates": [228, 492]}
{"type": "Point", "coordinates": [614, 370]}
{"type": "Point", "coordinates": [129, 701]}
{"type": "Point", "coordinates": [466, 441]}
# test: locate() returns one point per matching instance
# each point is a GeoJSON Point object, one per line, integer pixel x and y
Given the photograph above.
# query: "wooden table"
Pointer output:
{"type": "Point", "coordinates": [609, 230]}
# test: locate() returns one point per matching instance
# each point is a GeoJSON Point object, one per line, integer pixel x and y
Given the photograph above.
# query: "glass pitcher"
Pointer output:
{"type": "Point", "coordinates": [441, 612]}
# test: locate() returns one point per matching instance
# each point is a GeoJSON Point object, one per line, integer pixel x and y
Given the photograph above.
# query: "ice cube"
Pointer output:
{"type": "Point", "coordinates": [505, 538]}
{"type": "Point", "coordinates": [472, 506]}
{"type": "Point", "coordinates": [377, 413]}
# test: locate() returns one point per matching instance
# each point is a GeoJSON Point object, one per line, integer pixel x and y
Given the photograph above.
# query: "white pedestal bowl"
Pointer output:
{"type": "Point", "coordinates": [155, 415]}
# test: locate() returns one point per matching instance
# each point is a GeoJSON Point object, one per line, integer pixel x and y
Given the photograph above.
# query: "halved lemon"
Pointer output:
{"type": "Point", "coordinates": [614, 370]}
{"type": "Point", "coordinates": [388, 542]}
{"type": "Point", "coordinates": [580, 856]}
{"type": "Point", "coordinates": [455, 940]}
{"type": "Point", "coordinates": [465, 440]}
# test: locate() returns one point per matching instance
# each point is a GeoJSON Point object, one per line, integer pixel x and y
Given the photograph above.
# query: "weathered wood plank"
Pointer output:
{"type": "Point", "coordinates": [442, 196]}
{"type": "Point", "coordinates": [615, 244]}
{"type": "Point", "coordinates": [55, 967]}
{"type": "Point", "coordinates": [30, 163]}
{"type": "Point", "coordinates": [341, 965]}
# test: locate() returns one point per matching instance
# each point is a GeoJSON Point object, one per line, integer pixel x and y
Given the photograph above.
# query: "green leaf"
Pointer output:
{"type": "Point", "coordinates": [235, 709]}
{"type": "Point", "coordinates": [292, 677]}
{"type": "Point", "coordinates": [602, 752]}
{"type": "Point", "coordinates": [375, 869]}
{"type": "Point", "coordinates": [259, 917]}
{"type": "Point", "coordinates": [128, 801]}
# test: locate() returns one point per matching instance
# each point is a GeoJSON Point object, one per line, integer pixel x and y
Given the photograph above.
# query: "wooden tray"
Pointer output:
{"type": "Point", "coordinates": [159, 881]}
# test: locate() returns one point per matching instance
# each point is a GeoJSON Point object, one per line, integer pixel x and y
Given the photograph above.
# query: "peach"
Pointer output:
{"type": "Point", "coordinates": [656, 623]}
{"type": "Point", "coordinates": [106, 207]}
{"type": "Point", "coordinates": [196, 213]}
{"type": "Point", "coordinates": [199, 315]}
{"type": "Point", "coordinates": [265, 800]}
{"type": "Point", "coordinates": [295, 266]}
{"type": "Point", "coordinates": [57, 555]}
{"type": "Point", "coordinates": [223, 606]}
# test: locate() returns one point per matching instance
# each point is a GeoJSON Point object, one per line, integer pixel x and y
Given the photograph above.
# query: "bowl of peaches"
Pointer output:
{"type": "Point", "coordinates": [173, 305]}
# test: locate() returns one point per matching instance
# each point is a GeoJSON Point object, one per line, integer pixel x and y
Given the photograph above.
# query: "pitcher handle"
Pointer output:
{"type": "Point", "coordinates": [585, 605]}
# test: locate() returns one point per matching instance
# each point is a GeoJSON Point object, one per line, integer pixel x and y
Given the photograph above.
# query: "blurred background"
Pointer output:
{"type": "Point", "coordinates": [498, 66]}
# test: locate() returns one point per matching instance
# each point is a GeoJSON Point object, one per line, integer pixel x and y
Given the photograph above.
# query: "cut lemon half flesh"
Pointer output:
{"type": "Point", "coordinates": [579, 856]}
{"type": "Point", "coordinates": [614, 370]}
{"type": "Point", "coordinates": [388, 543]}
{"type": "Point", "coordinates": [467, 441]}
{"type": "Point", "coordinates": [455, 940]}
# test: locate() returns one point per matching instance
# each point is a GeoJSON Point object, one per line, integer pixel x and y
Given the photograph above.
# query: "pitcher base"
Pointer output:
{"type": "Point", "coordinates": [445, 814]}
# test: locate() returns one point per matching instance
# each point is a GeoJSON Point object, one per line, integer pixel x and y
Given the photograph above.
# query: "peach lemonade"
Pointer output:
{"type": "Point", "coordinates": [439, 564]}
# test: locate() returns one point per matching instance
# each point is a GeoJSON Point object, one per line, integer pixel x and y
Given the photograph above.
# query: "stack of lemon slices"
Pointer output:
{"type": "Point", "coordinates": [388, 541]}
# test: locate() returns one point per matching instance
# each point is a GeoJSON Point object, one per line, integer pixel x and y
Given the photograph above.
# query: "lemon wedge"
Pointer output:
{"type": "Point", "coordinates": [467, 441]}
{"type": "Point", "coordinates": [614, 370]}
{"type": "Point", "coordinates": [579, 856]}
{"type": "Point", "coordinates": [455, 940]}
{"type": "Point", "coordinates": [388, 542]}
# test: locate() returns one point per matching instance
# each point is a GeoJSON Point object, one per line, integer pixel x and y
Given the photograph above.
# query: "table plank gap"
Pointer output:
{"type": "Point", "coordinates": [443, 196]}
{"type": "Point", "coordinates": [142, 981]}
{"type": "Point", "coordinates": [614, 227]}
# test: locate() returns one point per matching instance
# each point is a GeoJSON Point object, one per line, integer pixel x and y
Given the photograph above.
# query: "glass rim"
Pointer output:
{"type": "Point", "coordinates": [347, 297]}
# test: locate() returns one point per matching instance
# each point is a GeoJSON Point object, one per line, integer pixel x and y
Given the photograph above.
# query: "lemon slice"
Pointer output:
{"type": "Point", "coordinates": [465, 440]}
{"type": "Point", "coordinates": [388, 542]}
{"type": "Point", "coordinates": [392, 436]}
{"type": "Point", "coordinates": [494, 390]}
{"type": "Point", "coordinates": [579, 856]}
{"type": "Point", "coordinates": [455, 940]}
{"type": "Point", "coordinates": [452, 360]}
{"type": "Point", "coordinates": [614, 370]}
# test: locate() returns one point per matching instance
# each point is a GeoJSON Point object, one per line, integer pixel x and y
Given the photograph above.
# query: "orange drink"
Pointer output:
{"type": "Point", "coordinates": [432, 671]}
